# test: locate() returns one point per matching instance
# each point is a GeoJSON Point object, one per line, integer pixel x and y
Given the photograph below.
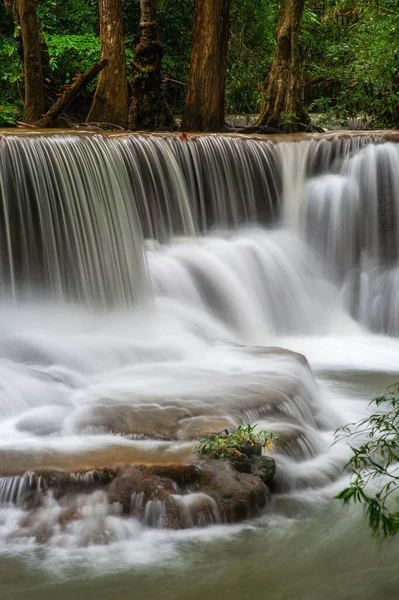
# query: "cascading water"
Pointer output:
{"type": "Point", "coordinates": [142, 279]}
{"type": "Point", "coordinates": [69, 225]}
{"type": "Point", "coordinates": [351, 220]}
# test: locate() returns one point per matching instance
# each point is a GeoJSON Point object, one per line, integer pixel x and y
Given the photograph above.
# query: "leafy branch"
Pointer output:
{"type": "Point", "coordinates": [376, 462]}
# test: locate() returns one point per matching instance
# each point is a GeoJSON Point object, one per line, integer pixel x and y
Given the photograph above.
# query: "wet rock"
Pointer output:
{"type": "Point", "coordinates": [241, 463]}
{"type": "Point", "coordinates": [238, 496]}
{"type": "Point", "coordinates": [136, 485]}
{"type": "Point", "coordinates": [263, 467]}
{"type": "Point", "coordinates": [277, 351]}
{"type": "Point", "coordinates": [43, 421]}
{"type": "Point", "coordinates": [143, 490]}
{"type": "Point", "coordinates": [62, 484]}
{"type": "Point", "coordinates": [195, 428]}
{"type": "Point", "coordinates": [27, 490]}
{"type": "Point", "coordinates": [175, 496]}
{"type": "Point", "coordinates": [251, 449]}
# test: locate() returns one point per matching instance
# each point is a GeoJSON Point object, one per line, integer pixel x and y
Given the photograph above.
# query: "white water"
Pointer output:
{"type": "Point", "coordinates": [81, 387]}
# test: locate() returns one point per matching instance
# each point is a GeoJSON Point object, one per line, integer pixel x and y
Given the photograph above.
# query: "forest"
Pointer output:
{"type": "Point", "coordinates": [285, 66]}
{"type": "Point", "coordinates": [199, 299]}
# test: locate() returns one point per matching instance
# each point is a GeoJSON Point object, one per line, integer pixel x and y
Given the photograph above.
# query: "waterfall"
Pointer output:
{"type": "Point", "coordinates": [256, 284]}
{"type": "Point", "coordinates": [68, 221]}
{"type": "Point", "coordinates": [351, 219]}
{"type": "Point", "coordinates": [156, 288]}
{"type": "Point", "coordinates": [74, 208]}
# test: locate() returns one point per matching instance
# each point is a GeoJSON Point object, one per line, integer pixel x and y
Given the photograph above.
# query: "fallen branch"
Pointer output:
{"type": "Point", "coordinates": [168, 79]}
{"type": "Point", "coordinates": [249, 129]}
{"type": "Point", "coordinates": [70, 94]}
{"type": "Point", "coordinates": [23, 125]}
{"type": "Point", "coordinates": [101, 126]}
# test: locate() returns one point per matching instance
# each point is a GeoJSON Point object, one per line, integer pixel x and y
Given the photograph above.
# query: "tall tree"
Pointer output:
{"type": "Point", "coordinates": [282, 109]}
{"type": "Point", "coordinates": [148, 108]}
{"type": "Point", "coordinates": [32, 54]}
{"type": "Point", "coordinates": [204, 108]}
{"type": "Point", "coordinates": [110, 104]}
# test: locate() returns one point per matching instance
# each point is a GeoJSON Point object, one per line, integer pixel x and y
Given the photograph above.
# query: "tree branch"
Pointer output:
{"type": "Point", "coordinates": [70, 94]}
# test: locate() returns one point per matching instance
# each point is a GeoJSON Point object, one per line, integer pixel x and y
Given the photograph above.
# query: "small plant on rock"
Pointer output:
{"type": "Point", "coordinates": [244, 441]}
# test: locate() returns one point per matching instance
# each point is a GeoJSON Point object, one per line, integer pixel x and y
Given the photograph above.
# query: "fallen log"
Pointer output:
{"type": "Point", "coordinates": [70, 94]}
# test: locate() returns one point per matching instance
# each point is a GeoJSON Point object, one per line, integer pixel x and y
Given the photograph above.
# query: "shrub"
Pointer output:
{"type": "Point", "coordinates": [376, 461]}
{"type": "Point", "coordinates": [245, 441]}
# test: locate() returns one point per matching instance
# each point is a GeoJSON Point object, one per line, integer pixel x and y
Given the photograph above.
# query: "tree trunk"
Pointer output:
{"type": "Point", "coordinates": [204, 108]}
{"type": "Point", "coordinates": [282, 108]}
{"type": "Point", "coordinates": [110, 104]}
{"type": "Point", "coordinates": [32, 53]}
{"type": "Point", "coordinates": [148, 109]}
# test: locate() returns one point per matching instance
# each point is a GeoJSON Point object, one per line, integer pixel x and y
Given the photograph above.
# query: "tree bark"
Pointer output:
{"type": "Point", "coordinates": [32, 53]}
{"type": "Point", "coordinates": [110, 102]}
{"type": "Point", "coordinates": [204, 107]}
{"type": "Point", "coordinates": [70, 94]}
{"type": "Point", "coordinates": [282, 109]}
{"type": "Point", "coordinates": [148, 109]}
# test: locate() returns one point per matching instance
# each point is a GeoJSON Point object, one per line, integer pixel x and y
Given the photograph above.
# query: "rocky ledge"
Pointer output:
{"type": "Point", "coordinates": [175, 496]}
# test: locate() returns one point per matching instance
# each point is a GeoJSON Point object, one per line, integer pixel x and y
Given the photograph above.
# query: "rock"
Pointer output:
{"type": "Point", "coordinates": [195, 428]}
{"type": "Point", "coordinates": [241, 463]}
{"type": "Point", "coordinates": [251, 449]}
{"type": "Point", "coordinates": [277, 351]}
{"type": "Point", "coordinates": [238, 496]}
{"type": "Point", "coordinates": [175, 496]}
{"type": "Point", "coordinates": [263, 467]}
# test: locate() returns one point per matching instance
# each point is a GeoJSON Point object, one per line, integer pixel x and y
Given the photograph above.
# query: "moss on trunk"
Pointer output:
{"type": "Point", "coordinates": [148, 108]}
{"type": "Point", "coordinates": [282, 109]}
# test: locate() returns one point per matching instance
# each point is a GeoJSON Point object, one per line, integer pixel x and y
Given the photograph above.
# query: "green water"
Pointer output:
{"type": "Point", "coordinates": [325, 553]}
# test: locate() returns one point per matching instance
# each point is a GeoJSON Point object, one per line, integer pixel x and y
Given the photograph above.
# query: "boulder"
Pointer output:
{"type": "Point", "coordinates": [141, 490]}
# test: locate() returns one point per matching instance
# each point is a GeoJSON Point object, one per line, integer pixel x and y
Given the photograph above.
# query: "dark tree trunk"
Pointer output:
{"type": "Point", "coordinates": [204, 108]}
{"type": "Point", "coordinates": [110, 104]}
{"type": "Point", "coordinates": [148, 109]}
{"type": "Point", "coordinates": [32, 53]}
{"type": "Point", "coordinates": [282, 108]}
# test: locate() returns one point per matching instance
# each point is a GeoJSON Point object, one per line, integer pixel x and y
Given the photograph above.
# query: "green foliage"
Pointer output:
{"type": "Point", "coordinates": [71, 32]}
{"type": "Point", "coordinates": [375, 463]}
{"type": "Point", "coordinates": [11, 80]}
{"type": "Point", "coordinates": [350, 52]}
{"type": "Point", "coordinates": [9, 114]}
{"type": "Point", "coordinates": [69, 28]}
{"type": "Point", "coordinates": [71, 54]}
{"type": "Point", "coordinates": [221, 446]}
{"type": "Point", "coordinates": [69, 17]}
{"type": "Point", "coordinates": [251, 47]}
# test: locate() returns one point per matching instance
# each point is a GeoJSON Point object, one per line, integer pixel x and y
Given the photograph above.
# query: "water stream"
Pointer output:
{"type": "Point", "coordinates": [142, 278]}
